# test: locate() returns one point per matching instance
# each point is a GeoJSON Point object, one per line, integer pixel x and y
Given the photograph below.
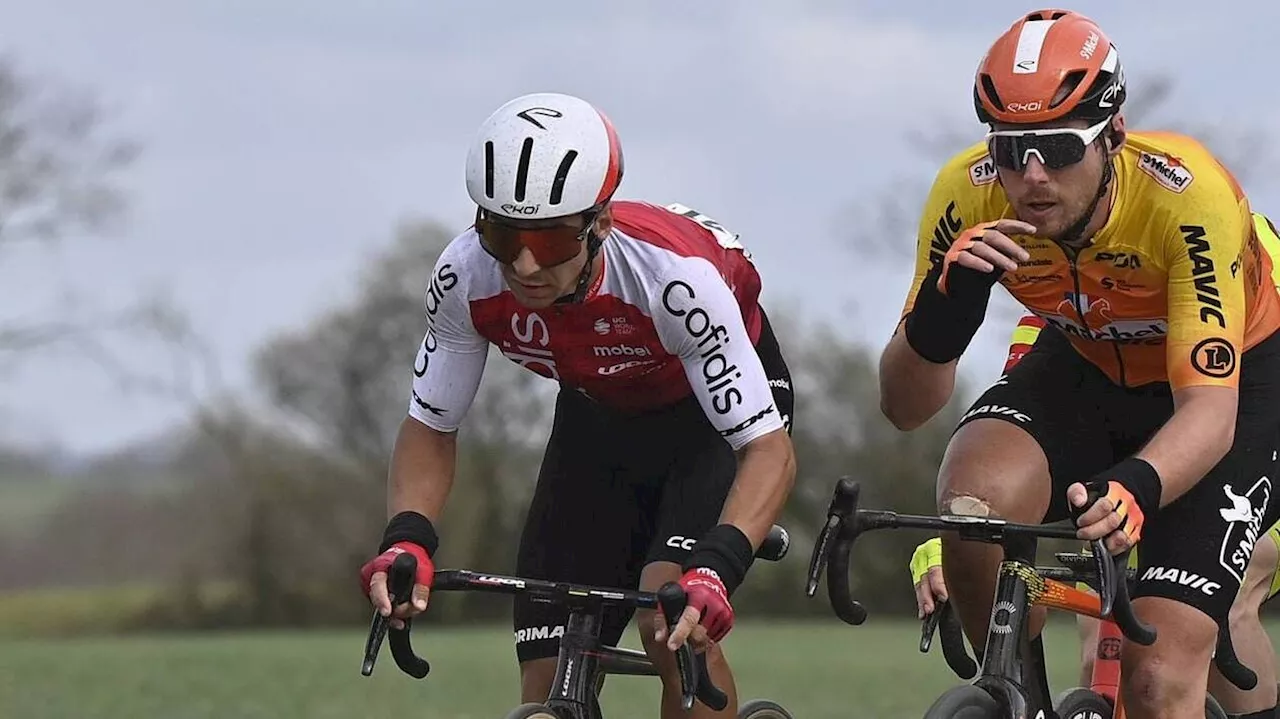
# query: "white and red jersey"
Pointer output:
{"type": "Point", "coordinates": [674, 311]}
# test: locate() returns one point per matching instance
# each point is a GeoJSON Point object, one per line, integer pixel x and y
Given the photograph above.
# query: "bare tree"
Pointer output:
{"type": "Point", "coordinates": [60, 174]}
{"type": "Point", "coordinates": [343, 384]}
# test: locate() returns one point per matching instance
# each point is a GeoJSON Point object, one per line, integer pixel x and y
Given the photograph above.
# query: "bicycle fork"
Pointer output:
{"type": "Point", "coordinates": [1010, 672]}
{"type": "Point", "coordinates": [574, 685]}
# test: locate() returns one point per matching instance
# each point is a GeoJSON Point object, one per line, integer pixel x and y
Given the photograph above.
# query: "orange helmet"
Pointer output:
{"type": "Point", "coordinates": [1049, 65]}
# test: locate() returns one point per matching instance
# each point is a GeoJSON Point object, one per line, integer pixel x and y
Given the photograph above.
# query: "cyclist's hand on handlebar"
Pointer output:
{"type": "Point", "coordinates": [698, 638]}
{"type": "Point", "coordinates": [1123, 497]}
{"type": "Point", "coordinates": [926, 574]}
{"type": "Point", "coordinates": [373, 579]}
{"type": "Point", "coordinates": [708, 606]}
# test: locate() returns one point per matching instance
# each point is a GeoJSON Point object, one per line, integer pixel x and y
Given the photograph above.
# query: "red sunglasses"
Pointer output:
{"type": "Point", "coordinates": [550, 246]}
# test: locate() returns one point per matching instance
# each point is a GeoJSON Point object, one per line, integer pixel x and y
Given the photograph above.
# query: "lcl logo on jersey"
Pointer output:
{"type": "Point", "coordinates": [533, 336]}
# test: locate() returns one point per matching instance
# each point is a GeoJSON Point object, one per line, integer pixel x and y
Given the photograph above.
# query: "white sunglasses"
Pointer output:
{"type": "Point", "coordinates": [1055, 148]}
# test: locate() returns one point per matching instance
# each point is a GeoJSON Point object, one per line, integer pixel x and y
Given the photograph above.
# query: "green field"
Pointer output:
{"type": "Point", "coordinates": [819, 670]}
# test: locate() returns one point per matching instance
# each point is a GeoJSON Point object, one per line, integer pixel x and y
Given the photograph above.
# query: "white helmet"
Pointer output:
{"type": "Point", "coordinates": [544, 155]}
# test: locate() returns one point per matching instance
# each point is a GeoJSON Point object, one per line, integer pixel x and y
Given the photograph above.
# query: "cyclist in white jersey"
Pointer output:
{"type": "Point", "coordinates": [669, 457]}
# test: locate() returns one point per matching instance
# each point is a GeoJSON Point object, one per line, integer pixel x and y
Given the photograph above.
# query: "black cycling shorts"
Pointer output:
{"type": "Point", "coordinates": [1196, 549]}
{"type": "Point", "coordinates": [616, 493]}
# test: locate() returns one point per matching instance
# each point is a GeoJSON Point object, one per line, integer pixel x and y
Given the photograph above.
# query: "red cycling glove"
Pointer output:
{"type": "Point", "coordinates": [382, 563]}
{"type": "Point", "coordinates": [707, 593]}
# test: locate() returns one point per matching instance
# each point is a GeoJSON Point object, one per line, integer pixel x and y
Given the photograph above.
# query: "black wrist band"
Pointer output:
{"type": "Point", "coordinates": [410, 527]}
{"type": "Point", "coordinates": [725, 550]}
{"type": "Point", "coordinates": [939, 328]}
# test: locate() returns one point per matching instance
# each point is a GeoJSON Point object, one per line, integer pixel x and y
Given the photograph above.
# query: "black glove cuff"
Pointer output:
{"type": "Point", "coordinates": [939, 328]}
{"type": "Point", "coordinates": [1140, 478]}
{"type": "Point", "coordinates": [410, 527]}
{"type": "Point", "coordinates": [726, 551]}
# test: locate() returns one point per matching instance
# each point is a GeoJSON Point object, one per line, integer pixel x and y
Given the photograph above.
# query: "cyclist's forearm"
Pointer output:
{"type": "Point", "coordinates": [766, 474]}
{"type": "Point", "coordinates": [1195, 438]}
{"type": "Point", "coordinates": [422, 469]}
{"type": "Point", "coordinates": [912, 389]}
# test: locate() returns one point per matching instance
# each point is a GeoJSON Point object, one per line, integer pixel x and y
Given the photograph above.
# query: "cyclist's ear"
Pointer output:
{"type": "Point", "coordinates": [1115, 135]}
{"type": "Point", "coordinates": [604, 221]}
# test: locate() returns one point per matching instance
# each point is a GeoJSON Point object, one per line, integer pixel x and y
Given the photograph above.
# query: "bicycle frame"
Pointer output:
{"type": "Point", "coordinates": [1006, 673]}
{"type": "Point", "coordinates": [1020, 689]}
{"type": "Point", "coordinates": [581, 659]}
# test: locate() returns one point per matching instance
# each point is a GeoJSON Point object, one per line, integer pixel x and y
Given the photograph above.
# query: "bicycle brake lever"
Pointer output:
{"type": "Point", "coordinates": [1122, 611]}
{"type": "Point", "coordinates": [952, 635]}
{"type": "Point", "coordinates": [671, 599]}
{"type": "Point", "coordinates": [1107, 575]}
{"type": "Point", "coordinates": [928, 625]}
{"type": "Point", "coordinates": [400, 579]}
{"type": "Point", "coordinates": [843, 506]}
{"type": "Point", "coordinates": [400, 591]}
{"type": "Point", "coordinates": [821, 549]}
{"type": "Point", "coordinates": [1229, 665]}
{"type": "Point", "coordinates": [695, 678]}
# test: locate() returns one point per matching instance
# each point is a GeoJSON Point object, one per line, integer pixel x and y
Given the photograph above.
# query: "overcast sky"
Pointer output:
{"type": "Point", "coordinates": [284, 140]}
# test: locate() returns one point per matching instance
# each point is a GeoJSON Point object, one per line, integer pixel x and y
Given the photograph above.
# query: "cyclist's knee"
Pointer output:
{"type": "Point", "coordinates": [1160, 686]}
{"type": "Point", "coordinates": [1012, 482]}
{"type": "Point", "coordinates": [536, 676]}
{"type": "Point", "coordinates": [1172, 672]}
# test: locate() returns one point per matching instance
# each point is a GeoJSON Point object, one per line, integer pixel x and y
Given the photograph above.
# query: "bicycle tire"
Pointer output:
{"type": "Point", "coordinates": [532, 711]}
{"type": "Point", "coordinates": [1082, 703]}
{"type": "Point", "coordinates": [964, 702]}
{"type": "Point", "coordinates": [763, 709]}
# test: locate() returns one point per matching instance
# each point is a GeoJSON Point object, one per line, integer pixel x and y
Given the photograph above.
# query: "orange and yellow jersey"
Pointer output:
{"type": "Point", "coordinates": [1027, 331]}
{"type": "Point", "coordinates": [1173, 288]}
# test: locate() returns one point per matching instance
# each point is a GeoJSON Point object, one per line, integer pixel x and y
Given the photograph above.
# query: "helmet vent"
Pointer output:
{"type": "Point", "coordinates": [990, 88]}
{"type": "Point", "coordinates": [1068, 86]}
{"type": "Point", "coordinates": [562, 174]}
{"type": "Point", "coordinates": [488, 169]}
{"type": "Point", "coordinates": [522, 170]}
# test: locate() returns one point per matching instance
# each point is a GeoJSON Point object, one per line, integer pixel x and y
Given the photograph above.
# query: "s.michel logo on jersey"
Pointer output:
{"type": "Point", "coordinates": [1243, 510]}
{"type": "Point", "coordinates": [1099, 322]}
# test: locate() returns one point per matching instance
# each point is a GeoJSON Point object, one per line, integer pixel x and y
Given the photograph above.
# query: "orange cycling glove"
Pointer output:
{"type": "Point", "coordinates": [950, 304]}
{"type": "Point", "coordinates": [1134, 488]}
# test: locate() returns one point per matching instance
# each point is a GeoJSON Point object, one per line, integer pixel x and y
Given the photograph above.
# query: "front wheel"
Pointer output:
{"type": "Point", "coordinates": [1081, 703]}
{"type": "Point", "coordinates": [964, 702]}
{"type": "Point", "coordinates": [532, 711]}
{"type": "Point", "coordinates": [762, 709]}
